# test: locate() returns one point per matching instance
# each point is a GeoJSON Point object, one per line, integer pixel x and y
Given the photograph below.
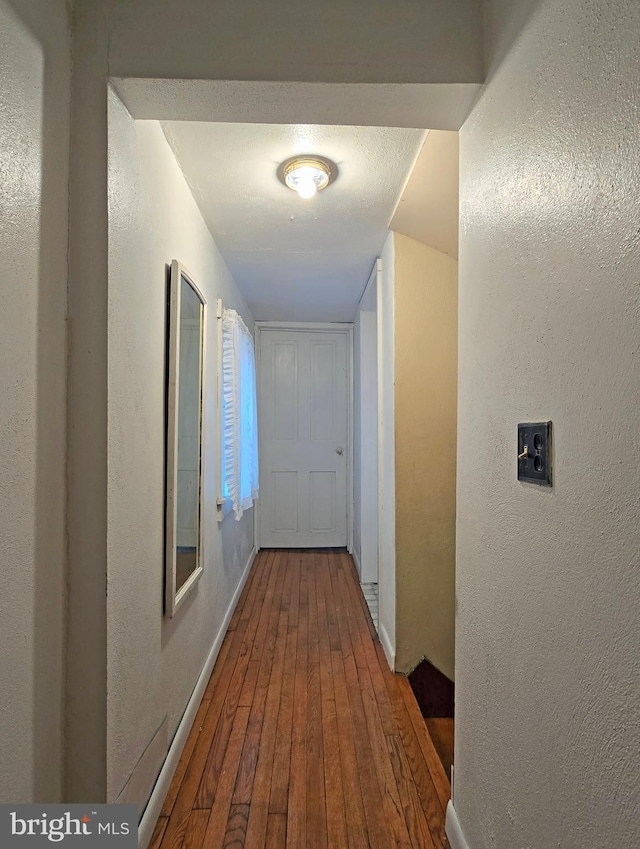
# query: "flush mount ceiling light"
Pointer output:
{"type": "Point", "coordinates": [307, 175]}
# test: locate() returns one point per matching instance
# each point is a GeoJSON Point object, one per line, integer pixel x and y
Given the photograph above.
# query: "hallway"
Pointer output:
{"type": "Point", "coordinates": [304, 737]}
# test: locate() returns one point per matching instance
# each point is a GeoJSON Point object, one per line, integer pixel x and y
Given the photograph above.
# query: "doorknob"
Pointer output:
{"type": "Point", "coordinates": [339, 450]}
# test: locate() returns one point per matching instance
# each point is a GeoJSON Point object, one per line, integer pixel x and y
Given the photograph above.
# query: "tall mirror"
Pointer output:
{"type": "Point", "coordinates": [187, 312]}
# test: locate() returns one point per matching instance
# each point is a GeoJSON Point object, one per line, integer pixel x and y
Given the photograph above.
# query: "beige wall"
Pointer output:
{"type": "Point", "coordinates": [547, 640]}
{"type": "Point", "coordinates": [426, 301]}
{"type": "Point", "coordinates": [34, 156]}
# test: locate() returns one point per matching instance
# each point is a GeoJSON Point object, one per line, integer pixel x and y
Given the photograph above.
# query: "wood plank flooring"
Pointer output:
{"type": "Point", "coordinates": [304, 738]}
{"type": "Point", "coordinates": [441, 730]}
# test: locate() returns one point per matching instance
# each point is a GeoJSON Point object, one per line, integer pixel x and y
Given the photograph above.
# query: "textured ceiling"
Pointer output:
{"type": "Point", "coordinates": [296, 260]}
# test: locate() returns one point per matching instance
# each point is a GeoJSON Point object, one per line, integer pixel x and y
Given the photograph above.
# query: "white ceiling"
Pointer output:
{"type": "Point", "coordinates": [296, 260]}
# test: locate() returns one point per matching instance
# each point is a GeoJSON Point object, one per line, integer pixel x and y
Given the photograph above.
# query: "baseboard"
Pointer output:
{"type": "Point", "coordinates": [140, 783]}
{"type": "Point", "coordinates": [156, 800]}
{"type": "Point", "coordinates": [453, 829]}
{"type": "Point", "coordinates": [388, 649]}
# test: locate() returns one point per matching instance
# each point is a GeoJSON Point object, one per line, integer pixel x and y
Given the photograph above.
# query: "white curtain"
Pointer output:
{"type": "Point", "coordinates": [240, 420]}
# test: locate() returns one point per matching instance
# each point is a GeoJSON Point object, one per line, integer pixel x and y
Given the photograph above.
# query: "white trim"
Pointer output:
{"type": "Point", "coordinates": [367, 448]}
{"type": "Point", "coordinates": [453, 829]}
{"type": "Point", "coordinates": [156, 800]}
{"type": "Point", "coordinates": [319, 326]}
{"type": "Point", "coordinates": [315, 327]}
{"type": "Point", "coordinates": [389, 651]}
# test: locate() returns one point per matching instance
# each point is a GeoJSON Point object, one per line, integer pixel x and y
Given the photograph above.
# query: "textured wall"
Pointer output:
{"type": "Point", "coordinates": [154, 662]}
{"type": "Point", "coordinates": [386, 452]}
{"type": "Point", "coordinates": [86, 704]}
{"type": "Point", "coordinates": [34, 152]}
{"type": "Point", "coordinates": [369, 445]}
{"type": "Point", "coordinates": [365, 459]}
{"type": "Point", "coordinates": [357, 440]}
{"type": "Point", "coordinates": [548, 645]}
{"type": "Point", "coordinates": [433, 41]}
{"type": "Point", "coordinates": [426, 317]}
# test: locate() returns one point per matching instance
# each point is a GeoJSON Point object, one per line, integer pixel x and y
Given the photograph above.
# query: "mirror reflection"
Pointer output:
{"type": "Point", "coordinates": [185, 380]}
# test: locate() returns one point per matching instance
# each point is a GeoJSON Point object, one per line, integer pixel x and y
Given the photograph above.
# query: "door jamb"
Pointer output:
{"type": "Point", "coordinates": [316, 327]}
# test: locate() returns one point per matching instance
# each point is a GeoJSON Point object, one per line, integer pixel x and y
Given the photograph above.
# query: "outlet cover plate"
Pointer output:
{"type": "Point", "coordinates": [535, 467]}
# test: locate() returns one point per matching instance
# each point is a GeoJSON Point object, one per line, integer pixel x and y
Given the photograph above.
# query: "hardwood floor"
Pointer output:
{"type": "Point", "coordinates": [304, 738]}
{"type": "Point", "coordinates": [441, 730]}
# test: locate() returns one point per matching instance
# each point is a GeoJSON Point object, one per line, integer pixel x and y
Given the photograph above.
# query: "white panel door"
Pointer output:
{"type": "Point", "coordinates": [303, 409]}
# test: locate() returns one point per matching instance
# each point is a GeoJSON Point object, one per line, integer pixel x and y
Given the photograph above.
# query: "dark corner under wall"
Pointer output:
{"type": "Point", "coordinates": [435, 694]}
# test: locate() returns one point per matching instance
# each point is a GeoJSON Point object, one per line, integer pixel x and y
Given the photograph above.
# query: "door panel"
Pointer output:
{"type": "Point", "coordinates": [285, 498]}
{"type": "Point", "coordinates": [285, 385]}
{"type": "Point", "coordinates": [323, 372]}
{"type": "Point", "coordinates": [323, 493]}
{"type": "Point", "coordinates": [304, 420]}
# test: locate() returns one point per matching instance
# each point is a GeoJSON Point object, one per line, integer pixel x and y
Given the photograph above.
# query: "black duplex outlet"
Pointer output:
{"type": "Point", "coordinates": [534, 452]}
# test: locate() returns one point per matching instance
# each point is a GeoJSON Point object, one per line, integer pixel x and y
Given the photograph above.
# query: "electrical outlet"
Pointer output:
{"type": "Point", "coordinates": [534, 452]}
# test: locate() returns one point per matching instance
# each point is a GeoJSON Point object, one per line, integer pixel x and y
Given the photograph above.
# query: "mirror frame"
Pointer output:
{"type": "Point", "coordinates": [174, 599]}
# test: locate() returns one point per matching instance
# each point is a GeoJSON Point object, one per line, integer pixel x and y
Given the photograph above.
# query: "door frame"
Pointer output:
{"type": "Point", "coordinates": [313, 327]}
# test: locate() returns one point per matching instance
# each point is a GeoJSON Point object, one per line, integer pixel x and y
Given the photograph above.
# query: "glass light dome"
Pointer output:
{"type": "Point", "coordinates": [306, 176]}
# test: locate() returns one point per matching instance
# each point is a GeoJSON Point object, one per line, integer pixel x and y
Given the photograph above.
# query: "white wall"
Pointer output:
{"type": "Point", "coordinates": [369, 444]}
{"type": "Point", "coordinates": [153, 662]}
{"type": "Point", "coordinates": [386, 453]}
{"type": "Point", "coordinates": [86, 697]}
{"type": "Point", "coordinates": [365, 335]}
{"type": "Point", "coordinates": [34, 154]}
{"type": "Point", "coordinates": [357, 443]}
{"type": "Point", "coordinates": [547, 643]}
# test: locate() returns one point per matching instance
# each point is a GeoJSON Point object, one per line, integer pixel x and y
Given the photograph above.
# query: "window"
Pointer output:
{"type": "Point", "coordinates": [239, 477]}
